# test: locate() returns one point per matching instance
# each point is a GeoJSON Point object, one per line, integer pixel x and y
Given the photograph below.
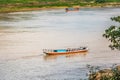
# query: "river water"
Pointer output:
{"type": "Point", "coordinates": [23, 35]}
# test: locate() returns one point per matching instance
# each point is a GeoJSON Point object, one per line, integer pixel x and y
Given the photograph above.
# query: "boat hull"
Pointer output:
{"type": "Point", "coordinates": [59, 53]}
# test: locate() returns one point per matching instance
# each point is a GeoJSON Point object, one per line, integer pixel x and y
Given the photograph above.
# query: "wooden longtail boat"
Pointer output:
{"type": "Point", "coordinates": [65, 51]}
{"type": "Point", "coordinates": [72, 9]}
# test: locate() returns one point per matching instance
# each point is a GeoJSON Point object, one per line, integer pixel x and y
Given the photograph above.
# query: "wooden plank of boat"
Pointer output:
{"type": "Point", "coordinates": [66, 51]}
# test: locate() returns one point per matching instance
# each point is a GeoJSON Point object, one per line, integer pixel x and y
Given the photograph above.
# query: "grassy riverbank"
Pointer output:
{"type": "Point", "coordinates": [25, 5]}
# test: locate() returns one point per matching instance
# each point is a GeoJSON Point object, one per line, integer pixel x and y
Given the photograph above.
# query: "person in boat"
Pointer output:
{"type": "Point", "coordinates": [66, 9]}
{"type": "Point", "coordinates": [68, 50]}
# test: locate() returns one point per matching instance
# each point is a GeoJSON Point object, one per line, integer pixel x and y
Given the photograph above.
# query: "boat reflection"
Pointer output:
{"type": "Point", "coordinates": [53, 57]}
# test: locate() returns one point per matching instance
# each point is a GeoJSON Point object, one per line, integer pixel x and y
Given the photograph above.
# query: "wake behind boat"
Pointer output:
{"type": "Point", "coordinates": [65, 51]}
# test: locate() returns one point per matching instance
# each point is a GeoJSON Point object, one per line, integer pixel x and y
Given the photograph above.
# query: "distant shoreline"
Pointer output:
{"type": "Point", "coordinates": [21, 9]}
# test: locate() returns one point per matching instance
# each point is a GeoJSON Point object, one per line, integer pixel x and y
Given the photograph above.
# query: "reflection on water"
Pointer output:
{"type": "Point", "coordinates": [23, 35]}
{"type": "Point", "coordinates": [54, 57]}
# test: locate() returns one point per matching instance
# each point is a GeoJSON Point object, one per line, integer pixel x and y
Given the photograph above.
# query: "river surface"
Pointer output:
{"type": "Point", "coordinates": [23, 35]}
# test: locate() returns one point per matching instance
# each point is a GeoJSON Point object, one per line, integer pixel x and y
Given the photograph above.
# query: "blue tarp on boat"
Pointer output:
{"type": "Point", "coordinates": [60, 50]}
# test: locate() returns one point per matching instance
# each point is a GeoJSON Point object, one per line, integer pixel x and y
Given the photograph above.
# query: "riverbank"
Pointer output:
{"type": "Point", "coordinates": [20, 7]}
{"type": "Point", "coordinates": [106, 74]}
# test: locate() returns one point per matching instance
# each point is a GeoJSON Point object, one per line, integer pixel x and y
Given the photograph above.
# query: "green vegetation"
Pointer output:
{"type": "Point", "coordinates": [103, 1]}
{"type": "Point", "coordinates": [16, 5]}
{"type": "Point", "coordinates": [97, 73]}
{"type": "Point", "coordinates": [100, 1]}
{"type": "Point", "coordinates": [105, 74]}
{"type": "Point", "coordinates": [113, 34]}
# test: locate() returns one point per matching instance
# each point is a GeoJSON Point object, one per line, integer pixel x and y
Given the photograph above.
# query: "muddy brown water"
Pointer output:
{"type": "Point", "coordinates": [23, 35]}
